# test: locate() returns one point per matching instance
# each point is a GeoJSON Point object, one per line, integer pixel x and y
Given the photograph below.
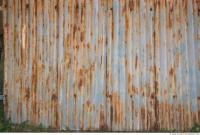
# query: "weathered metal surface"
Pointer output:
{"type": "Point", "coordinates": [120, 65]}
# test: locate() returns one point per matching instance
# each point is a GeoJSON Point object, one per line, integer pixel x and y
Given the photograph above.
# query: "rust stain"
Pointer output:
{"type": "Point", "coordinates": [102, 118]}
{"type": "Point", "coordinates": [131, 5]}
{"type": "Point", "coordinates": [27, 94]}
{"type": "Point", "coordinates": [81, 78]}
{"type": "Point", "coordinates": [116, 108]}
{"type": "Point", "coordinates": [143, 115]}
{"type": "Point", "coordinates": [132, 90]}
{"type": "Point", "coordinates": [171, 71]}
{"type": "Point", "coordinates": [152, 95]}
{"type": "Point", "coordinates": [177, 60]}
{"type": "Point", "coordinates": [54, 96]}
{"type": "Point", "coordinates": [175, 96]}
{"type": "Point", "coordinates": [126, 27]}
{"type": "Point", "coordinates": [74, 110]}
{"type": "Point", "coordinates": [136, 61]}
{"type": "Point", "coordinates": [170, 18]}
{"type": "Point", "coordinates": [112, 14]}
{"type": "Point", "coordinates": [82, 117]}
{"type": "Point", "coordinates": [88, 106]}
{"type": "Point", "coordinates": [24, 37]}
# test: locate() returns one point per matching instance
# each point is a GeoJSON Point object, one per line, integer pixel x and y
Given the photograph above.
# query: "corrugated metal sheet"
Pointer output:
{"type": "Point", "coordinates": [119, 65]}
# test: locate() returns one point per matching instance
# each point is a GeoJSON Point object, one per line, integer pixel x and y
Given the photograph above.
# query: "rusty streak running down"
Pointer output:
{"type": "Point", "coordinates": [103, 65]}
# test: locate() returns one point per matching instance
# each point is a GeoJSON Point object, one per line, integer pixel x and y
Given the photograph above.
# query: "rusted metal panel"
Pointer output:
{"type": "Point", "coordinates": [113, 65]}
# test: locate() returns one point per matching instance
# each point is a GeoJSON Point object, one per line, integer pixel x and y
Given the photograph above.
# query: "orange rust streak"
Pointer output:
{"type": "Point", "coordinates": [136, 61]}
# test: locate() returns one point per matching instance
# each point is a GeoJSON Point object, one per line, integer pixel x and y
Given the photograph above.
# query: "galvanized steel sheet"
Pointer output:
{"type": "Point", "coordinates": [112, 65]}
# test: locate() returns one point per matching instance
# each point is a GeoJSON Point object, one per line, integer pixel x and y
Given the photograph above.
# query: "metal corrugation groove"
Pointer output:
{"type": "Point", "coordinates": [110, 65]}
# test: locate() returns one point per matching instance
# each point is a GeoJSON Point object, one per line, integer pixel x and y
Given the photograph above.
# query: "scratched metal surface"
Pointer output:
{"type": "Point", "coordinates": [107, 65]}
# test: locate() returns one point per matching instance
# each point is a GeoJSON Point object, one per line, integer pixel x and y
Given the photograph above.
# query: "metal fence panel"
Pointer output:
{"type": "Point", "coordinates": [113, 65]}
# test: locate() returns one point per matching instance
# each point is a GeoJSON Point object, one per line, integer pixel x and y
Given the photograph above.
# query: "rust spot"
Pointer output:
{"type": "Point", "coordinates": [152, 95]}
{"type": "Point", "coordinates": [124, 7]}
{"type": "Point", "coordinates": [54, 96]}
{"type": "Point", "coordinates": [131, 5]}
{"type": "Point", "coordinates": [198, 98]}
{"type": "Point", "coordinates": [177, 60]}
{"type": "Point", "coordinates": [56, 7]}
{"type": "Point", "coordinates": [175, 96]}
{"type": "Point", "coordinates": [112, 24]}
{"type": "Point", "coordinates": [83, 10]}
{"type": "Point", "coordinates": [133, 91]}
{"type": "Point", "coordinates": [116, 108]}
{"type": "Point", "coordinates": [153, 69]}
{"type": "Point", "coordinates": [80, 83]}
{"type": "Point", "coordinates": [102, 118]}
{"type": "Point", "coordinates": [88, 103]}
{"type": "Point", "coordinates": [81, 79]}
{"type": "Point", "coordinates": [74, 31]}
{"type": "Point", "coordinates": [198, 12]}
{"type": "Point", "coordinates": [179, 35]}
{"type": "Point", "coordinates": [88, 45]}
{"type": "Point", "coordinates": [76, 9]}
{"type": "Point", "coordinates": [170, 17]}
{"type": "Point", "coordinates": [27, 94]}
{"type": "Point", "coordinates": [171, 72]}
{"type": "Point", "coordinates": [82, 35]}
{"type": "Point", "coordinates": [27, 6]}
{"type": "Point", "coordinates": [75, 96]}
{"type": "Point", "coordinates": [129, 83]}
{"type": "Point", "coordinates": [136, 61]}
{"type": "Point", "coordinates": [126, 27]}
{"type": "Point", "coordinates": [143, 116]}
{"type": "Point", "coordinates": [111, 115]}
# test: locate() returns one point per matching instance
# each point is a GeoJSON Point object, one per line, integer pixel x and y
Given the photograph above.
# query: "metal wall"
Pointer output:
{"type": "Point", "coordinates": [120, 65]}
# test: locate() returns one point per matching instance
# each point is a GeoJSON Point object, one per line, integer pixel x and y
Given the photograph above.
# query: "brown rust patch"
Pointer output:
{"type": "Point", "coordinates": [129, 83]}
{"type": "Point", "coordinates": [88, 103]}
{"type": "Point", "coordinates": [27, 94]}
{"type": "Point", "coordinates": [112, 23]}
{"type": "Point", "coordinates": [170, 17]}
{"type": "Point", "coordinates": [152, 95]}
{"type": "Point", "coordinates": [174, 96]}
{"type": "Point", "coordinates": [171, 72]}
{"type": "Point", "coordinates": [88, 106]}
{"type": "Point", "coordinates": [102, 118]}
{"type": "Point", "coordinates": [116, 108]}
{"type": "Point", "coordinates": [88, 45]}
{"type": "Point", "coordinates": [143, 116]}
{"type": "Point", "coordinates": [153, 69]}
{"type": "Point", "coordinates": [82, 117]}
{"type": "Point", "coordinates": [126, 27]}
{"type": "Point", "coordinates": [177, 60]}
{"type": "Point", "coordinates": [81, 79]}
{"type": "Point", "coordinates": [132, 91]}
{"type": "Point", "coordinates": [54, 96]}
{"type": "Point", "coordinates": [179, 36]}
{"type": "Point", "coordinates": [82, 36]}
{"type": "Point", "coordinates": [136, 61]}
{"type": "Point", "coordinates": [131, 5]}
